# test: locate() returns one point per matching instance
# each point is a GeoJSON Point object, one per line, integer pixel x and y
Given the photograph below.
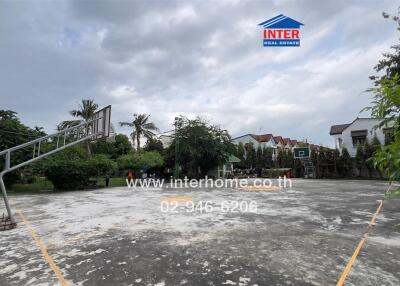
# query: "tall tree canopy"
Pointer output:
{"type": "Point", "coordinates": [13, 133]}
{"type": "Point", "coordinates": [390, 62]}
{"type": "Point", "coordinates": [386, 104]}
{"type": "Point", "coordinates": [199, 147]}
{"type": "Point", "coordinates": [141, 128]}
{"type": "Point", "coordinates": [86, 110]}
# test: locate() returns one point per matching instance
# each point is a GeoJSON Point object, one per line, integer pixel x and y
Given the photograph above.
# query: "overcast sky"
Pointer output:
{"type": "Point", "coordinates": [194, 58]}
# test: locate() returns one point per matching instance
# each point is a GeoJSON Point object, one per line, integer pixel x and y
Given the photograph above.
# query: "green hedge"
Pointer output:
{"type": "Point", "coordinates": [73, 169]}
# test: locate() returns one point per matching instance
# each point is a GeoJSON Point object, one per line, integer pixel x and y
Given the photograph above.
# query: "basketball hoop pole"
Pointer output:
{"type": "Point", "coordinates": [92, 129]}
{"type": "Point", "coordinates": [3, 190]}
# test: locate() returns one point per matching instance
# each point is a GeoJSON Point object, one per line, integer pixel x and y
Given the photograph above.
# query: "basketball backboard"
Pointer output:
{"type": "Point", "coordinates": [301, 152]}
{"type": "Point", "coordinates": [102, 123]}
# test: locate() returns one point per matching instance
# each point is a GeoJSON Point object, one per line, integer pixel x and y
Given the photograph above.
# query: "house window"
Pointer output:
{"type": "Point", "coordinates": [359, 137]}
{"type": "Point", "coordinates": [389, 135]}
{"type": "Point", "coordinates": [359, 140]}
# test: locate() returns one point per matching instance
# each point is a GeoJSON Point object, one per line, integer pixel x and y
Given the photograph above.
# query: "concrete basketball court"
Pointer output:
{"type": "Point", "coordinates": [119, 236]}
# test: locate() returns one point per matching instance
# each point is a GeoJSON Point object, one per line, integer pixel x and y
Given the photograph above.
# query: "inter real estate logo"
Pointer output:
{"type": "Point", "coordinates": [281, 31]}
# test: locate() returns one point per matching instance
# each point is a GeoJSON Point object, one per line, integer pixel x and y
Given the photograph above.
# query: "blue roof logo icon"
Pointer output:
{"type": "Point", "coordinates": [281, 31]}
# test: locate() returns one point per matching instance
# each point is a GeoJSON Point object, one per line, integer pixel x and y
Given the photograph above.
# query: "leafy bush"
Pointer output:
{"type": "Point", "coordinates": [138, 160]}
{"type": "Point", "coordinates": [72, 169]}
{"type": "Point", "coordinates": [100, 165]}
{"type": "Point", "coordinates": [69, 174]}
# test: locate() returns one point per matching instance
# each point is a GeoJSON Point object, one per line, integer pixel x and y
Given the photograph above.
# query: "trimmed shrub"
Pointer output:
{"type": "Point", "coordinates": [138, 160]}
{"type": "Point", "coordinates": [72, 169]}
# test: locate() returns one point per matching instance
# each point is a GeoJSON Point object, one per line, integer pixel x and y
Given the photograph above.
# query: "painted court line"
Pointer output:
{"type": "Point", "coordinates": [177, 199]}
{"type": "Point", "coordinates": [360, 245]}
{"type": "Point", "coordinates": [261, 188]}
{"type": "Point", "coordinates": [43, 249]}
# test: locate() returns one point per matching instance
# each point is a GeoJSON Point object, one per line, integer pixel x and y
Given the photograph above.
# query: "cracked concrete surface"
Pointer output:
{"type": "Point", "coordinates": [119, 236]}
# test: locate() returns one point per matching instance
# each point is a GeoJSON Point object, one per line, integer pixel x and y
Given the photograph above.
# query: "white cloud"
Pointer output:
{"type": "Point", "coordinates": [169, 58]}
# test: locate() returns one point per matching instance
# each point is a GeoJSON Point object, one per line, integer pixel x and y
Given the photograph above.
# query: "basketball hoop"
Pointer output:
{"type": "Point", "coordinates": [101, 123]}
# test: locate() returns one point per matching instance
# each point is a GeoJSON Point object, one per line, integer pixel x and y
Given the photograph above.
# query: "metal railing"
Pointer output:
{"type": "Point", "coordinates": [59, 141]}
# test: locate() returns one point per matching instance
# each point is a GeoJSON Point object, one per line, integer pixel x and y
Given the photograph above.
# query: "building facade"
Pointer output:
{"type": "Point", "coordinates": [358, 132]}
{"type": "Point", "coordinates": [267, 141]}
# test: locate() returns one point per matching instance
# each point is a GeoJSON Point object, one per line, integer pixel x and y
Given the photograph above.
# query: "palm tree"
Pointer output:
{"type": "Point", "coordinates": [86, 111]}
{"type": "Point", "coordinates": [141, 127]}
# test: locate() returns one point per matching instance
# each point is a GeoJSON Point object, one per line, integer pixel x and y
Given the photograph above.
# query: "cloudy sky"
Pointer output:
{"type": "Point", "coordinates": [194, 58]}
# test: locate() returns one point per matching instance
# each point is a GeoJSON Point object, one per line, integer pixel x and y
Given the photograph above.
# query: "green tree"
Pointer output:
{"type": "Point", "coordinates": [322, 157]}
{"type": "Point", "coordinates": [122, 145]}
{"type": "Point", "coordinates": [139, 160]}
{"type": "Point", "coordinates": [369, 151]}
{"type": "Point", "coordinates": [389, 65]}
{"type": "Point", "coordinates": [86, 110]}
{"type": "Point", "coordinates": [112, 148]}
{"type": "Point", "coordinates": [336, 158]}
{"type": "Point", "coordinates": [376, 144]}
{"type": "Point", "coordinates": [345, 163]}
{"type": "Point", "coordinates": [298, 168]}
{"type": "Point", "coordinates": [250, 160]}
{"type": "Point", "coordinates": [288, 159]}
{"type": "Point", "coordinates": [314, 156]}
{"type": "Point", "coordinates": [386, 105]}
{"type": "Point", "coordinates": [73, 168]}
{"type": "Point", "coordinates": [259, 157]}
{"type": "Point", "coordinates": [280, 158]}
{"type": "Point", "coordinates": [360, 159]}
{"type": "Point", "coordinates": [267, 158]}
{"type": "Point", "coordinates": [153, 144]}
{"type": "Point", "coordinates": [141, 128]}
{"type": "Point", "coordinates": [199, 147]}
{"type": "Point", "coordinates": [14, 133]}
{"type": "Point", "coordinates": [240, 151]}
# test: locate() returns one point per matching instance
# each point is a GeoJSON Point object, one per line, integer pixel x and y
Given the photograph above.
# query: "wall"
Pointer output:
{"type": "Point", "coordinates": [361, 124]}
{"type": "Point", "coordinates": [246, 139]}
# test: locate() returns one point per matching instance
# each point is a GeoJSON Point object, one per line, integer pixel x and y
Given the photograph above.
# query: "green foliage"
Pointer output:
{"type": "Point", "coordinates": [386, 105]}
{"type": "Point", "coordinates": [113, 149]}
{"type": "Point", "coordinates": [388, 159]}
{"type": "Point", "coordinates": [141, 127]}
{"type": "Point", "coordinates": [389, 65]}
{"type": "Point", "coordinates": [68, 175]}
{"type": "Point", "coordinates": [199, 147]}
{"type": "Point", "coordinates": [386, 101]}
{"type": "Point", "coordinates": [360, 157]}
{"type": "Point", "coordinates": [250, 153]}
{"type": "Point", "coordinates": [103, 146]}
{"type": "Point", "coordinates": [240, 151]}
{"type": "Point", "coordinates": [280, 158]}
{"type": "Point", "coordinates": [122, 145]}
{"type": "Point", "coordinates": [72, 169]}
{"type": "Point", "coordinates": [14, 133]}
{"type": "Point", "coordinates": [101, 165]}
{"type": "Point", "coordinates": [86, 110]}
{"type": "Point", "coordinates": [258, 157]}
{"type": "Point", "coordinates": [297, 168]}
{"type": "Point", "coordinates": [153, 144]}
{"type": "Point", "coordinates": [138, 160]}
{"type": "Point", "coordinates": [345, 163]}
{"type": "Point", "coordinates": [267, 158]}
{"type": "Point", "coordinates": [288, 159]}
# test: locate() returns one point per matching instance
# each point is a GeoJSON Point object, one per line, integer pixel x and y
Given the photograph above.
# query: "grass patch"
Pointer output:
{"type": "Point", "coordinates": [114, 182]}
{"type": "Point", "coordinates": [393, 193]}
{"type": "Point", "coordinates": [40, 184]}
{"type": "Point", "coordinates": [43, 184]}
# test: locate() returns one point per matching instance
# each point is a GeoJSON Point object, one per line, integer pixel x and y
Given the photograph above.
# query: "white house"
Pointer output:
{"type": "Point", "coordinates": [266, 141]}
{"type": "Point", "coordinates": [356, 133]}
